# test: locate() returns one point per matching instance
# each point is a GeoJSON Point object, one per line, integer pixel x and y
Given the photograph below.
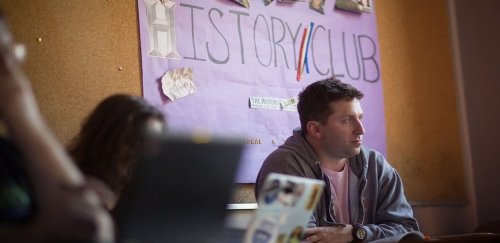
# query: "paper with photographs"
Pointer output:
{"type": "Point", "coordinates": [267, 2]}
{"type": "Point", "coordinates": [355, 5]}
{"type": "Point", "coordinates": [317, 5]}
{"type": "Point", "coordinates": [244, 3]}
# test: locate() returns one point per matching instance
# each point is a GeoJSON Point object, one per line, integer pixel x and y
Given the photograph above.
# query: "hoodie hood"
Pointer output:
{"type": "Point", "coordinates": [297, 143]}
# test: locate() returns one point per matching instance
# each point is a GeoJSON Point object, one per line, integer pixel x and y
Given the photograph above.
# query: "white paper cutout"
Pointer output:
{"type": "Point", "coordinates": [178, 83]}
{"type": "Point", "coordinates": [161, 28]}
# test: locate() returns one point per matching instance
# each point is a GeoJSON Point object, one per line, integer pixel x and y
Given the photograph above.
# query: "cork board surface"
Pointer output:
{"type": "Point", "coordinates": [76, 64]}
{"type": "Point", "coordinates": [90, 50]}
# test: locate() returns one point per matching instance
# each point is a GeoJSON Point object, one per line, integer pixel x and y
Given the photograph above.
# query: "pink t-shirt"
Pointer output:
{"type": "Point", "coordinates": [339, 185]}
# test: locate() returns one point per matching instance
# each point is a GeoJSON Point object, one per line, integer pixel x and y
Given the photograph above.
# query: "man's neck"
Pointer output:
{"type": "Point", "coordinates": [328, 162]}
{"type": "Point", "coordinates": [332, 164]}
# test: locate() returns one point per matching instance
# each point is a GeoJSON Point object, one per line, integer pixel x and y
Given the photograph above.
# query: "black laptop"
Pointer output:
{"type": "Point", "coordinates": [180, 190]}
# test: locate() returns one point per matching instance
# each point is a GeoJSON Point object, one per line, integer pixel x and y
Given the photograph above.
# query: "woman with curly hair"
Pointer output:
{"type": "Point", "coordinates": [111, 137]}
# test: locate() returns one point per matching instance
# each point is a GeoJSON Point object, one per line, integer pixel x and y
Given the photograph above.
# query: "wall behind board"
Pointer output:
{"type": "Point", "coordinates": [90, 50]}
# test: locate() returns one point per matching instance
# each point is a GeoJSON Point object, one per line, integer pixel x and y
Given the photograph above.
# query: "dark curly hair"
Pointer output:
{"type": "Point", "coordinates": [108, 142]}
{"type": "Point", "coordinates": [314, 100]}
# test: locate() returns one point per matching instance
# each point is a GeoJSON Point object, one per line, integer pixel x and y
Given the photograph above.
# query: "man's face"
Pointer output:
{"type": "Point", "coordinates": [342, 132]}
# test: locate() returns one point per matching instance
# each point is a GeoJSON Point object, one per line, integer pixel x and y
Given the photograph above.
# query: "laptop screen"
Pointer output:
{"type": "Point", "coordinates": [179, 191]}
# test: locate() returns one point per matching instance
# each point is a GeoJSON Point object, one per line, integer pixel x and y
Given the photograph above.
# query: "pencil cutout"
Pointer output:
{"type": "Point", "coordinates": [300, 60]}
{"type": "Point", "coordinates": [311, 27]}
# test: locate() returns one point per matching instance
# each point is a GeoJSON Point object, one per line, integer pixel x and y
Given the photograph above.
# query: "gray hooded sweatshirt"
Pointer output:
{"type": "Point", "coordinates": [376, 196]}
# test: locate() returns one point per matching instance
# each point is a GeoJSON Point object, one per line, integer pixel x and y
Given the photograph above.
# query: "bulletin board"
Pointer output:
{"type": "Point", "coordinates": [236, 69]}
{"type": "Point", "coordinates": [91, 50]}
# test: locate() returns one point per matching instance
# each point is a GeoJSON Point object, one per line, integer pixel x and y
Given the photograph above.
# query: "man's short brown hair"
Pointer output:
{"type": "Point", "coordinates": [314, 100]}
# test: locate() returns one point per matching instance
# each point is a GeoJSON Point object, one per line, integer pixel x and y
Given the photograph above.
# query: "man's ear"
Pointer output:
{"type": "Point", "coordinates": [313, 129]}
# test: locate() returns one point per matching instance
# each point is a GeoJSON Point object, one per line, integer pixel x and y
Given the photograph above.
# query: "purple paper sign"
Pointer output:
{"type": "Point", "coordinates": [237, 53]}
